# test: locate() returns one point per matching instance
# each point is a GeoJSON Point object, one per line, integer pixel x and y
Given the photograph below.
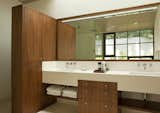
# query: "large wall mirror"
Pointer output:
{"type": "Point", "coordinates": [125, 35]}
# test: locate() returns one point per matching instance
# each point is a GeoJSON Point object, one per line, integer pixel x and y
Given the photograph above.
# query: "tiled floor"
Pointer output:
{"type": "Point", "coordinates": [68, 106]}
{"type": "Point", "coordinates": [5, 107]}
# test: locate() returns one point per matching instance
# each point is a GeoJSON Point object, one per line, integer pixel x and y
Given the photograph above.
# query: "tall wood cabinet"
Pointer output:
{"type": "Point", "coordinates": [49, 35]}
{"type": "Point", "coordinates": [33, 40]}
{"type": "Point", "coordinates": [97, 97]}
{"type": "Point", "coordinates": [66, 41]}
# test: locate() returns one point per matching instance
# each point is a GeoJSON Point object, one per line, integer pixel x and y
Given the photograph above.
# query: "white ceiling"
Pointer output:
{"type": "Point", "coordinates": [66, 8]}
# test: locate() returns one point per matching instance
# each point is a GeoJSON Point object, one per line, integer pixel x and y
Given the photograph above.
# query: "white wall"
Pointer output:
{"type": "Point", "coordinates": [85, 46]}
{"type": "Point", "coordinates": [5, 48]}
{"type": "Point", "coordinates": [67, 8]}
{"type": "Point", "coordinates": [157, 35]}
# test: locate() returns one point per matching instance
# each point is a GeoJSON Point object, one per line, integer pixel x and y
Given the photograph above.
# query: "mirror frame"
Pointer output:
{"type": "Point", "coordinates": [110, 12]}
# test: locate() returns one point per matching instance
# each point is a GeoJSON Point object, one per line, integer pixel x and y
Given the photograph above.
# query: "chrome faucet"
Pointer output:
{"type": "Point", "coordinates": [106, 67]}
{"type": "Point", "coordinates": [102, 67]}
{"type": "Point", "coordinates": [144, 66]}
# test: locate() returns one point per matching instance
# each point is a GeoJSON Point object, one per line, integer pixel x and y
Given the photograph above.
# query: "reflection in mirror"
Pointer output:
{"type": "Point", "coordinates": [132, 35]}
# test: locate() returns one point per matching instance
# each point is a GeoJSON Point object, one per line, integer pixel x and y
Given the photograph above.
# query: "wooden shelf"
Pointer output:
{"type": "Point", "coordinates": [140, 105]}
{"type": "Point", "coordinates": [69, 98]}
{"type": "Point", "coordinates": [64, 97]}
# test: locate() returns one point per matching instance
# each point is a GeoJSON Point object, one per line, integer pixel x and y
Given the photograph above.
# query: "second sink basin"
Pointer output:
{"type": "Point", "coordinates": [146, 73]}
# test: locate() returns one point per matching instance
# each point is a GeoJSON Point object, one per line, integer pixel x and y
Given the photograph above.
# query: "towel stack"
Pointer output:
{"type": "Point", "coordinates": [56, 90]}
{"type": "Point", "coordinates": [70, 92]}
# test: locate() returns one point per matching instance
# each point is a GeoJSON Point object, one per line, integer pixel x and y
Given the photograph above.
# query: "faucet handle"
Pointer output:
{"type": "Point", "coordinates": [150, 65]}
{"type": "Point", "coordinates": [145, 66]}
{"type": "Point", "coordinates": [138, 64]}
{"type": "Point", "coordinates": [106, 67]}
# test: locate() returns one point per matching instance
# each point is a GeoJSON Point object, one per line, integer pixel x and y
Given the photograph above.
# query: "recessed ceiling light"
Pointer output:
{"type": "Point", "coordinates": [112, 14]}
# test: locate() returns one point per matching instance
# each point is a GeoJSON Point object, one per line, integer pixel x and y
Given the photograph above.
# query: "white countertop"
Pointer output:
{"type": "Point", "coordinates": [125, 73]}
{"type": "Point", "coordinates": [143, 82]}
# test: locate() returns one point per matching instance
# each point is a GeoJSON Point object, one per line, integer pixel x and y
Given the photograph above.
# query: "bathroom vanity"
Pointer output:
{"type": "Point", "coordinates": [144, 84]}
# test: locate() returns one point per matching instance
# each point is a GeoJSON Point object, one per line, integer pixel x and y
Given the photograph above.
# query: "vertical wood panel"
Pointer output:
{"type": "Point", "coordinates": [28, 41]}
{"type": "Point", "coordinates": [49, 39]}
{"type": "Point", "coordinates": [66, 47]}
{"type": "Point", "coordinates": [31, 63]}
{"type": "Point", "coordinates": [16, 60]}
{"type": "Point", "coordinates": [97, 97]}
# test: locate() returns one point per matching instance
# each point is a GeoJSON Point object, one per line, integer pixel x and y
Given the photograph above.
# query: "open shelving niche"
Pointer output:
{"type": "Point", "coordinates": [70, 105]}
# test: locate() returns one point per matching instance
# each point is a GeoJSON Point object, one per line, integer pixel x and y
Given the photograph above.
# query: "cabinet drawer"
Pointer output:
{"type": "Point", "coordinates": [97, 97]}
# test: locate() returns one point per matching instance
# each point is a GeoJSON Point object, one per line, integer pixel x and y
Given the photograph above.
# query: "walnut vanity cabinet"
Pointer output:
{"type": "Point", "coordinates": [33, 40]}
{"type": "Point", "coordinates": [97, 97]}
{"type": "Point", "coordinates": [66, 41]}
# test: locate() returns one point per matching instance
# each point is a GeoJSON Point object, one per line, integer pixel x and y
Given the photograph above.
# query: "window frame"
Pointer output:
{"type": "Point", "coordinates": [104, 45]}
{"type": "Point", "coordinates": [128, 57]}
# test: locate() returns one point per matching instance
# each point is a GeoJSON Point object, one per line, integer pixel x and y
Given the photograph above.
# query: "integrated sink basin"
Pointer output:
{"type": "Point", "coordinates": [146, 73]}
{"type": "Point", "coordinates": [134, 73]}
{"type": "Point", "coordinates": [117, 72]}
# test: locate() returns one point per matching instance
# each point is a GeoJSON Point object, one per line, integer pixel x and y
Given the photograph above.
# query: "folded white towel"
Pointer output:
{"type": "Point", "coordinates": [70, 92]}
{"type": "Point", "coordinates": [54, 87]}
{"type": "Point", "coordinates": [55, 90]}
{"type": "Point", "coordinates": [54, 93]}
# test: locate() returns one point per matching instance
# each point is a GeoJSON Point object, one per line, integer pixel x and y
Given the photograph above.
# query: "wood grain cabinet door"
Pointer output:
{"type": "Point", "coordinates": [48, 38]}
{"type": "Point", "coordinates": [28, 30]}
{"type": "Point", "coordinates": [66, 41]}
{"type": "Point", "coordinates": [110, 98]}
{"type": "Point", "coordinates": [97, 97]}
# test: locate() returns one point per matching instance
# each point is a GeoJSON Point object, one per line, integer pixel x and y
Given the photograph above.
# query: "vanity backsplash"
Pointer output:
{"type": "Point", "coordinates": [148, 66]}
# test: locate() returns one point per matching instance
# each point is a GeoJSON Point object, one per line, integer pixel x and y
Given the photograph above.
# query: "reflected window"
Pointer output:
{"type": "Point", "coordinates": [133, 50]}
{"type": "Point", "coordinates": [109, 44]}
{"type": "Point", "coordinates": [128, 45]}
{"type": "Point", "coordinates": [121, 38]}
{"type": "Point", "coordinates": [146, 36]}
{"type": "Point", "coordinates": [133, 37]}
{"type": "Point", "coordinates": [121, 50]}
{"type": "Point", "coordinates": [99, 47]}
